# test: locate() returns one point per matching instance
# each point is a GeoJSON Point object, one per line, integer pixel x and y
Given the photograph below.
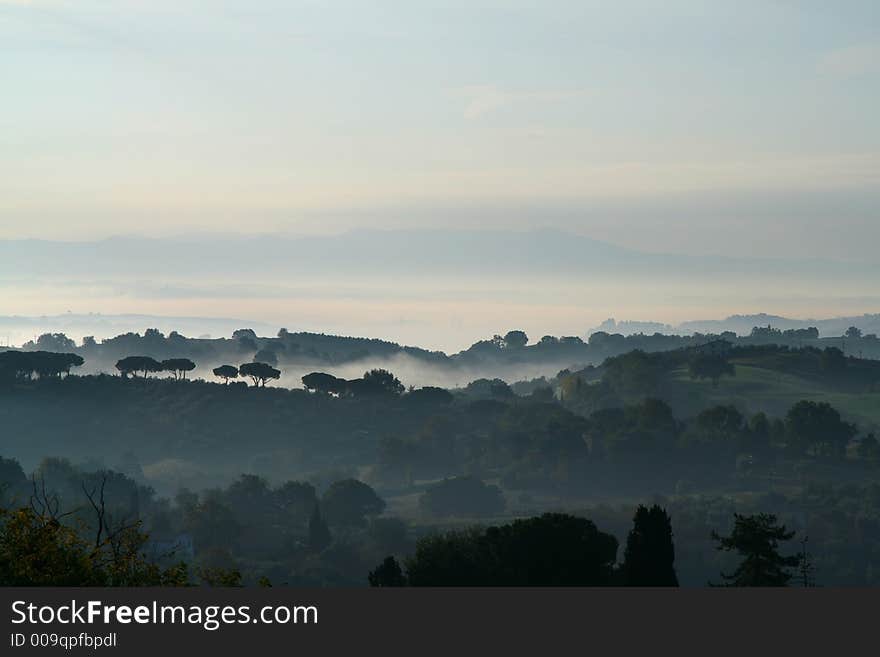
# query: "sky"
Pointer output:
{"type": "Point", "coordinates": [675, 126]}
{"type": "Point", "coordinates": [161, 116]}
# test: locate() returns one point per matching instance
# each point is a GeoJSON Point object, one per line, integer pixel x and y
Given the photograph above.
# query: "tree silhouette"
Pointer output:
{"type": "Point", "coordinates": [710, 366]}
{"type": "Point", "coordinates": [634, 373]}
{"type": "Point", "coordinates": [134, 364]}
{"type": "Point", "coordinates": [381, 380]}
{"type": "Point", "coordinates": [516, 339]}
{"type": "Point", "coordinates": [349, 501]}
{"type": "Point", "coordinates": [178, 366]}
{"type": "Point", "coordinates": [756, 539]}
{"type": "Point", "coordinates": [387, 573]}
{"type": "Point", "coordinates": [238, 334]}
{"type": "Point", "coordinates": [495, 388]}
{"type": "Point", "coordinates": [44, 364]}
{"type": "Point", "coordinates": [63, 362]}
{"type": "Point", "coordinates": [552, 550]}
{"type": "Point", "coordinates": [57, 342]}
{"type": "Point", "coordinates": [226, 372]}
{"type": "Point", "coordinates": [722, 427]}
{"type": "Point", "coordinates": [816, 427]}
{"type": "Point", "coordinates": [649, 557]}
{"type": "Point", "coordinates": [324, 383]}
{"type": "Point", "coordinates": [430, 395]}
{"type": "Point", "coordinates": [259, 373]}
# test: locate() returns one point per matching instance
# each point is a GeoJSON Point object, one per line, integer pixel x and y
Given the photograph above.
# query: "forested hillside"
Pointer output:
{"type": "Point", "coordinates": [709, 430]}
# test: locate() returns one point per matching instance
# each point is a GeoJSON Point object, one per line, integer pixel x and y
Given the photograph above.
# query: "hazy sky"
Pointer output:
{"type": "Point", "coordinates": [667, 125]}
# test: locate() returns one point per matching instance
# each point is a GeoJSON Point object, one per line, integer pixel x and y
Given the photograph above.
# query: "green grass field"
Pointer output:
{"type": "Point", "coordinates": [756, 389]}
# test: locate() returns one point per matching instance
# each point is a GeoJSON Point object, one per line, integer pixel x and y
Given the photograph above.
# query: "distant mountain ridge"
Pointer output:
{"type": "Point", "coordinates": [376, 252]}
{"type": "Point", "coordinates": [216, 327]}
{"type": "Point", "coordinates": [743, 325]}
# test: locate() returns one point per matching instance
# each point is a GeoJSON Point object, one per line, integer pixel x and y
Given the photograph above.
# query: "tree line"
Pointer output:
{"type": "Point", "coordinates": [40, 547]}
{"type": "Point", "coordinates": [558, 549]}
{"type": "Point", "coordinates": [513, 347]}
{"type": "Point", "coordinates": [25, 365]}
{"type": "Point", "coordinates": [258, 372]}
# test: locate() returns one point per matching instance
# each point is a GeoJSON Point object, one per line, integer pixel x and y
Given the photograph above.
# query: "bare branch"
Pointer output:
{"type": "Point", "coordinates": [46, 506]}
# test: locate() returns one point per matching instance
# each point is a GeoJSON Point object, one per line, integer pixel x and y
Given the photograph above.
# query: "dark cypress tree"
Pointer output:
{"type": "Point", "coordinates": [756, 538]}
{"type": "Point", "coordinates": [649, 557]}
{"type": "Point", "coordinates": [387, 573]}
{"type": "Point", "coordinates": [319, 533]}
